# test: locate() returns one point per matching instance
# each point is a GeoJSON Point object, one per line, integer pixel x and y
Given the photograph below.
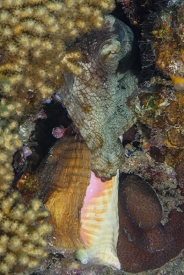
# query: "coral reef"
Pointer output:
{"type": "Point", "coordinates": [33, 37]}
{"type": "Point", "coordinates": [134, 9]}
{"type": "Point", "coordinates": [169, 43]}
{"type": "Point", "coordinates": [95, 100]}
{"type": "Point", "coordinates": [22, 232]}
{"type": "Point", "coordinates": [144, 243]}
{"type": "Point", "coordinates": [9, 139]}
{"type": "Point", "coordinates": [33, 57]}
{"type": "Point", "coordinates": [160, 107]}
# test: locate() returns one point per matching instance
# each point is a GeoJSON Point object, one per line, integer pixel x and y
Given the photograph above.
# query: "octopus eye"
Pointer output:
{"type": "Point", "coordinates": [110, 49]}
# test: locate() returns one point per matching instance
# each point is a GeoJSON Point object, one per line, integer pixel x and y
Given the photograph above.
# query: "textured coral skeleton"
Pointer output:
{"type": "Point", "coordinates": [22, 232]}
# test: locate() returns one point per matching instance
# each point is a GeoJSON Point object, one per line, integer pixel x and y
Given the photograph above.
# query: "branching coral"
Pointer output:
{"type": "Point", "coordinates": [33, 37]}
{"type": "Point", "coordinates": [22, 232]}
{"type": "Point", "coordinates": [9, 139]}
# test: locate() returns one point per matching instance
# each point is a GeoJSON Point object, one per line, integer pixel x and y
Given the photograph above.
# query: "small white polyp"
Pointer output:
{"type": "Point", "coordinates": [82, 256]}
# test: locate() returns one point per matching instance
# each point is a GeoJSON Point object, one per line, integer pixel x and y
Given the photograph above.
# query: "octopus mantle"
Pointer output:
{"type": "Point", "coordinates": [96, 99]}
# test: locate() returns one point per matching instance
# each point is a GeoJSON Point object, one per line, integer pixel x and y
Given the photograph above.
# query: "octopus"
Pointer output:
{"type": "Point", "coordinates": [96, 99]}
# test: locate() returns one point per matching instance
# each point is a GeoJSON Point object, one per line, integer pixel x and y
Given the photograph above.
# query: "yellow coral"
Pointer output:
{"type": "Point", "coordinates": [9, 139]}
{"type": "Point", "coordinates": [178, 82]}
{"type": "Point", "coordinates": [22, 232]}
{"type": "Point", "coordinates": [33, 37]}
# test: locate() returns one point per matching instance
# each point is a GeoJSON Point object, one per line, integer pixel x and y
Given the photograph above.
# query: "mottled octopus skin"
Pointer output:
{"type": "Point", "coordinates": [96, 99]}
{"type": "Point", "coordinates": [83, 208]}
{"type": "Point", "coordinates": [147, 247]}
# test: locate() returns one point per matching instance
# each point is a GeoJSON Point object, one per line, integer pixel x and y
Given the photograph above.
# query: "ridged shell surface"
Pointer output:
{"type": "Point", "coordinates": [83, 208]}
{"type": "Point", "coordinates": [66, 174]}
{"type": "Point", "coordinates": [100, 222]}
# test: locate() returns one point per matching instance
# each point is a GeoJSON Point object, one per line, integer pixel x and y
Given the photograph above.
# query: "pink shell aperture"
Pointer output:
{"type": "Point", "coordinates": [100, 223]}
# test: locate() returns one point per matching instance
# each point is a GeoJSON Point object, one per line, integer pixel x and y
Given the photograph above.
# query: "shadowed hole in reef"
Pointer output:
{"type": "Point", "coordinates": [41, 138]}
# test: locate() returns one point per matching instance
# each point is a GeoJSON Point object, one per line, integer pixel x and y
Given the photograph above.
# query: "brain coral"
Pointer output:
{"type": "Point", "coordinates": [147, 247]}
{"type": "Point", "coordinates": [136, 192]}
{"type": "Point", "coordinates": [95, 100]}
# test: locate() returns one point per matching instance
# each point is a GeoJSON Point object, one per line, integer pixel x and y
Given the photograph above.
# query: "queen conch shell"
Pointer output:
{"type": "Point", "coordinates": [83, 208]}
{"type": "Point", "coordinates": [100, 222]}
{"type": "Point", "coordinates": [66, 173]}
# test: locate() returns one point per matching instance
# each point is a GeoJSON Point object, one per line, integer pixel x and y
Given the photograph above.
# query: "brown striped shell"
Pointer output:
{"type": "Point", "coordinates": [83, 208]}
{"type": "Point", "coordinates": [66, 172]}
